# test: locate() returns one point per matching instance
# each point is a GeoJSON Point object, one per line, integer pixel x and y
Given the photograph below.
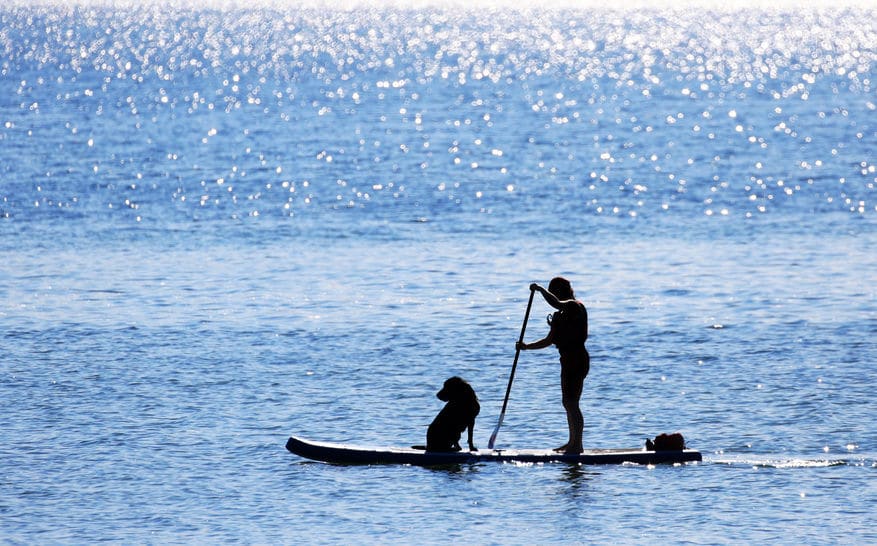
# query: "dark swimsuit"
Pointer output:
{"type": "Point", "coordinates": [575, 366]}
{"type": "Point", "coordinates": [570, 331]}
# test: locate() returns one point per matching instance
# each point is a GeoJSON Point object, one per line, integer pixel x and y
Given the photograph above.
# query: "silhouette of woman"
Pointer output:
{"type": "Point", "coordinates": [569, 332]}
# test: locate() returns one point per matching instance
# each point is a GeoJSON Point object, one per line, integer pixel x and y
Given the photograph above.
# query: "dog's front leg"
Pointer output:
{"type": "Point", "coordinates": [471, 431]}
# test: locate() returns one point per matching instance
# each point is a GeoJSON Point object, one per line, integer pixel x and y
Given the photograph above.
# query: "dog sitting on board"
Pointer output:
{"type": "Point", "coordinates": [666, 442]}
{"type": "Point", "coordinates": [458, 415]}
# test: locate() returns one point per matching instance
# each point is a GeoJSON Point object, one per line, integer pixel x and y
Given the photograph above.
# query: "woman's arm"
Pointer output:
{"type": "Point", "coordinates": [547, 341]}
{"type": "Point", "coordinates": [551, 299]}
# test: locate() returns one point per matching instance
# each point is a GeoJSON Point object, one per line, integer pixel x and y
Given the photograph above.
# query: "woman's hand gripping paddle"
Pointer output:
{"type": "Point", "coordinates": [508, 390]}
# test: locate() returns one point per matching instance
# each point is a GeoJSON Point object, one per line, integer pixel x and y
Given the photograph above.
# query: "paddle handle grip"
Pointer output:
{"type": "Point", "coordinates": [508, 389]}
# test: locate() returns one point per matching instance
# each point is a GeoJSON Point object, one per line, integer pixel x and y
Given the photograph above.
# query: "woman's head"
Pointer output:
{"type": "Point", "coordinates": [561, 288]}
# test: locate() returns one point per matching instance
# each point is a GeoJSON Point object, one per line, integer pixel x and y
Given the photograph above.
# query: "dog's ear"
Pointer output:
{"type": "Point", "coordinates": [461, 388]}
{"type": "Point", "coordinates": [470, 392]}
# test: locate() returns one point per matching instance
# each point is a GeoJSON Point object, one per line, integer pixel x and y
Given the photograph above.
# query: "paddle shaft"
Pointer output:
{"type": "Point", "coordinates": [508, 389]}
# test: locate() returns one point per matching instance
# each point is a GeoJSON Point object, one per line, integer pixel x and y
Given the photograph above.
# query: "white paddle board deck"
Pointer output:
{"type": "Point", "coordinates": [350, 454]}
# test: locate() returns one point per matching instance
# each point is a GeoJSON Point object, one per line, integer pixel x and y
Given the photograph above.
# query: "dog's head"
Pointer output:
{"type": "Point", "coordinates": [456, 388]}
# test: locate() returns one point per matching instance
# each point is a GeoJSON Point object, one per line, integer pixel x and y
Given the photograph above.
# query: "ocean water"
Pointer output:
{"type": "Point", "coordinates": [223, 227]}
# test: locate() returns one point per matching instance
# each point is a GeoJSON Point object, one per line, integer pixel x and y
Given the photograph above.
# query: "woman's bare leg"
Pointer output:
{"type": "Point", "coordinates": [572, 394]}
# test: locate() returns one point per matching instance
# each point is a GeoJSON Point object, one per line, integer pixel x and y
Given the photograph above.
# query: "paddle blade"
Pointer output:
{"type": "Point", "coordinates": [492, 441]}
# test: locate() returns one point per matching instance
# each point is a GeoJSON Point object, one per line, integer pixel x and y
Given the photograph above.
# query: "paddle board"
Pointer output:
{"type": "Point", "coordinates": [351, 454]}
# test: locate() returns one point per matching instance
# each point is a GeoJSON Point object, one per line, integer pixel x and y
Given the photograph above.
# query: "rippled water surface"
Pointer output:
{"type": "Point", "coordinates": [221, 227]}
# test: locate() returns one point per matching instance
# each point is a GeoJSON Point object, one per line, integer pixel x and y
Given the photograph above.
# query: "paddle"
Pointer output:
{"type": "Point", "coordinates": [508, 390]}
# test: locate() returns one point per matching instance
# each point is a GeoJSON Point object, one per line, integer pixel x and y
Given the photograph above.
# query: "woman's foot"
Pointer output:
{"type": "Point", "coordinates": [573, 450]}
{"type": "Point", "coordinates": [561, 449]}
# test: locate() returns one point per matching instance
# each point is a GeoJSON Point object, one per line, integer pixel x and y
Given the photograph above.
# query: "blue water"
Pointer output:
{"type": "Point", "coordinates": [219, 228]}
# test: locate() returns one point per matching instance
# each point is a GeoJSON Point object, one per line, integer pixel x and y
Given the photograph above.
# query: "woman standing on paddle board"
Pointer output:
{"type": "Point", "coordinates": [569, 332]}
